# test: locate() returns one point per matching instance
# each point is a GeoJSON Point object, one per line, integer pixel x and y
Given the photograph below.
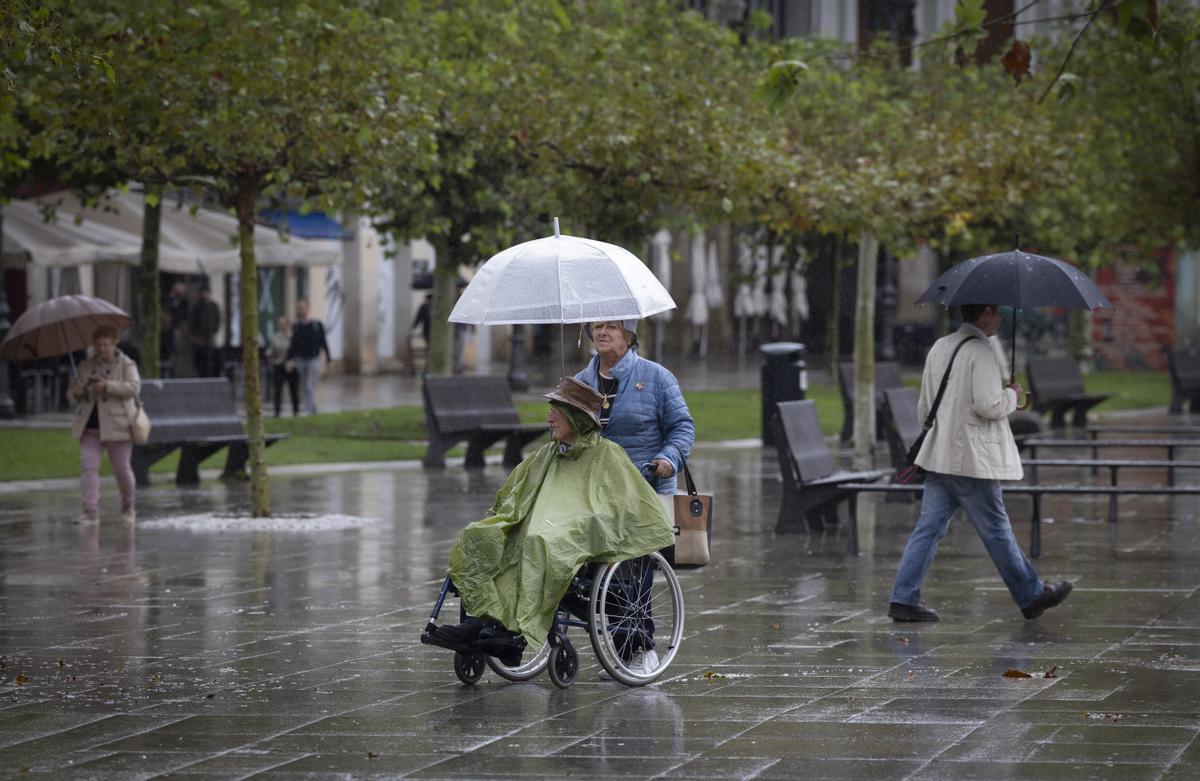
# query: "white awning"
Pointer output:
{"type": "Point", "coordinates": [203, 243]}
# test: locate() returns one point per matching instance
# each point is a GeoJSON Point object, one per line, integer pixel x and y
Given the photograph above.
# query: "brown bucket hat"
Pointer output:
{"type": "Point", "coordinates": [574, 393]}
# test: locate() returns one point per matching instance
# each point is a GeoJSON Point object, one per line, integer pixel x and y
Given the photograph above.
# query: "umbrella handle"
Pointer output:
{"type": "Point", "coordinates": [1024, 405]}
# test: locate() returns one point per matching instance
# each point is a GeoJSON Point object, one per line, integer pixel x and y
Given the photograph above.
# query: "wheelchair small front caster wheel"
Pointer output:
{"type": "Point", "coordinates": [468, 667]}
{"type": "Point", "coordinates": [564, 664]}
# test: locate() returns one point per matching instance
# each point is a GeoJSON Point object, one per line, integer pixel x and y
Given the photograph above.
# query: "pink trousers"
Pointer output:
{"type": "Point", "coordinates": [90, 448]}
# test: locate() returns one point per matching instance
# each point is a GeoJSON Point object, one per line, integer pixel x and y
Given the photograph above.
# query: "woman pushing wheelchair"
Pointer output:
{"type": "Point", "coordinates": [577, 500]}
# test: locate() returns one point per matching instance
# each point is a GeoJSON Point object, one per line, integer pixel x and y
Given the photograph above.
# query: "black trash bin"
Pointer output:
{"type": "Point", "coordinates": [784, 378]}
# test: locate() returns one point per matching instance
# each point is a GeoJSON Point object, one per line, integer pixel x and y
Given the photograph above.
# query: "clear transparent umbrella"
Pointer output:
{"type": "Point", "coordinates": [561, 279]}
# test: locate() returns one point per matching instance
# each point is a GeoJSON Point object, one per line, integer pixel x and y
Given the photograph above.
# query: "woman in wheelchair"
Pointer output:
{"type": "Point", "coordinates": [577, 500]}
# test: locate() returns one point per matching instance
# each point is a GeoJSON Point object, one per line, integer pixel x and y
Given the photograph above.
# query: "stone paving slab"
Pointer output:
{"type": "Point", "coordinates": [142, 653]}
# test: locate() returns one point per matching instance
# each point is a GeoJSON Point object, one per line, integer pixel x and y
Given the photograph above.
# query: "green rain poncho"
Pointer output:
{"type": "Point", "coordinates": [559, 509]}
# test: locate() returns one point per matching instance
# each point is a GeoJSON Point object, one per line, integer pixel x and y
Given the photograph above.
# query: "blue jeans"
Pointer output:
{"type": "Point", "coordinates": [984, 504]}
{"type": "Point", "coordinates": [310, 372]}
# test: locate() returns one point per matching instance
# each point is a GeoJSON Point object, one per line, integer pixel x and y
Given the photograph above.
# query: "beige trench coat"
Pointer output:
{"type": "Point", "coordinates": [118, 403]}
{"type": "Point", "coordinates": [970, 436]}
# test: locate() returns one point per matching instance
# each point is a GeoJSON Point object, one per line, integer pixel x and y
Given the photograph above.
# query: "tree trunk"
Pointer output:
{"type": "Point", "coordinates": [441, 330]}
{"type": "Point", "coordinates": [864, 352]}
{"type": "Point", "coordinates": [148, 282]}
{"type": "Point", "coordinates": [833, 337]}
{"type": "Point", "coordinates": [260, 489]}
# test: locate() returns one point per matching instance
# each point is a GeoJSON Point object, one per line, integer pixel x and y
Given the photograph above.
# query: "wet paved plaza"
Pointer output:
{"type": "Point", "coordinates": [201, 654]}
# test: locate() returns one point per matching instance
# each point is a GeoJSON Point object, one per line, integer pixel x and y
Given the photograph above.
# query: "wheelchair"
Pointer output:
{"type": "Point", "coordinates": [628, 609]}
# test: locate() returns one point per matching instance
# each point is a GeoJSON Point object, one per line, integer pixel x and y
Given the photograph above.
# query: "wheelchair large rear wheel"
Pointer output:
{"type": "Point", "coordinates": [527, 670]}
{"type": "Point", "coordinates": [636, 608]}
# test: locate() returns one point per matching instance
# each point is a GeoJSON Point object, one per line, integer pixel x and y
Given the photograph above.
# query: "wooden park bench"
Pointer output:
{"type": "Point", "coordinates": [478, 410]}
{"type": "Point", "coordinates": [1057, 387]}
{"type": "Point", "coordinates": [1185, 379]}
{"type": "Point", "coordinates": [811, 480]}
{"type": "Point", "coordinates": [197, 417]}
{"type": "Point", "coordinates": [887, 375]}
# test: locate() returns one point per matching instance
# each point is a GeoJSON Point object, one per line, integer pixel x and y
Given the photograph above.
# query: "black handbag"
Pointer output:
{"type": "Point", "coordinates": [911, 471]}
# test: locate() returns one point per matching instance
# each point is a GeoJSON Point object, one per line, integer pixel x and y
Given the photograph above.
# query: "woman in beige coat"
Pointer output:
{"type": "Point", "coordinates": [105, 390]}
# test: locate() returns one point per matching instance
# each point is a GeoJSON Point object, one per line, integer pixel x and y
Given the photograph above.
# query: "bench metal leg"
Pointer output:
{"type": "Point", "coordinates": [1035, 528]}
{"type": "Point", "coordinates": [188, 472]}
{"type": "Point", "coordinates": [1058, 418]}
{"type": "Point", "coordinates": [512, 451]}
{"type": "Point", "coordinates": [190, 456]}
{"type": "Point", "coordinates": [1080, 417]}
{"type": "Point", "coordinates": [235, 460]}
{"type": "Point", "coordinates": [435, 454]}
{"type": "Point", "coordinates": [852, 525]}
{"type": "Point", "coordinates": [144, 457]}
{"type": "Point", "coordinates": [141, 467]}
{"type": "Point", "coordinates": [474, 459]}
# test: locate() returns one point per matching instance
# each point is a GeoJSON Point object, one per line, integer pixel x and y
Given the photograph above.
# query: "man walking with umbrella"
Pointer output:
{"type": "Point", "coordinates": [966, 453]}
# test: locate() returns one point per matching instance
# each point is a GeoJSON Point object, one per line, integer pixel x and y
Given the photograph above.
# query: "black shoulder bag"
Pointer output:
{"type": "Point", "coordinates": [911, 471]}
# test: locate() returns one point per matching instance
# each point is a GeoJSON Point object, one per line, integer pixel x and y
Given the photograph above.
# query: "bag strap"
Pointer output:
{"type": "Point", "coordinates": [942, 388]}
{"type": "Point", "coordinates": [687, 476]}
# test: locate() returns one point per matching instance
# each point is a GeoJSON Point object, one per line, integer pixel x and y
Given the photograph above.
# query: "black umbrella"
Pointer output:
{"type": "Point", "coordinates": [1017, 279]}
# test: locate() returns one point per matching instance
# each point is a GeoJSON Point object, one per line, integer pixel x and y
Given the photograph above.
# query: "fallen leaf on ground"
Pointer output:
{"type": "Point", "coordinates": [372, 755]}
{"type": "Point", "coordinates": [902, 640]}
{"type": "Point", "coordinates": [1012, 672]}
{"type": "Point", "coordinates": [774, 626]}
{"type": "Point", "coordinates": [1105, 716]}
{"type": "Point", "coordinates": [712, 675]}
{"type": "Point", "coordinates": [62, 663]}
{"type": "Point", "coordinates": [21, 679]}
{"type": "Point", "coordinates": [911, 674]}
{"type": "Point", "coordinates": [1052, 672]}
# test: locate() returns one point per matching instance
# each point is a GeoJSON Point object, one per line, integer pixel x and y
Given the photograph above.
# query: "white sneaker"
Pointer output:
{"type": "Point", "coordinates": [644, 663]}
{"type": "Point", "coordinates": [88, 518]}
{"type": "Point", "coordinates": [129, 516]}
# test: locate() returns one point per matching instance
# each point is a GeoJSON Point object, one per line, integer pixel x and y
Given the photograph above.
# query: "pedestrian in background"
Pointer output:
{"type": "Point", "coordinates": [966, 454]}
{"type": "Point", "coordinates": [105, 390]}
{"type": "Point", "coordinates": [308, 342]}
{"type": "Point", "coordinates": [176, 311]}
{"type": "Point", "coordinates": [283, 370]}
{"type": "Point", "coordinates": [203, 325]}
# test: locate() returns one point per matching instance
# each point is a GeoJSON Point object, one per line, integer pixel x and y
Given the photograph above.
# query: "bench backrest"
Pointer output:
{"type": "Point", "coordinates": [188, 409]}
{"type": "Point", "coordinates": [458, 403]}
{"type": "Point", "coordinates": [805, 441]}
{"type": "Point", "coordinates": [887, 375]}
{"type": "Point", "coordinates": [901, 412]}
{"type": "Point", "coordinates": [1185, 369]}
{"type": "Point", "coordinates": [1051, 379]}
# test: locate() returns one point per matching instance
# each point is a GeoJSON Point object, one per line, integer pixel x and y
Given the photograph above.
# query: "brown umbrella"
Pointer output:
{"type": "Point", "coordinates": [60, 325]}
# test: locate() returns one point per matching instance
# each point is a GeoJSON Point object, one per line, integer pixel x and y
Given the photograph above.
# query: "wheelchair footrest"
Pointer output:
{"type": "Point", "coordinates": [443, 640]}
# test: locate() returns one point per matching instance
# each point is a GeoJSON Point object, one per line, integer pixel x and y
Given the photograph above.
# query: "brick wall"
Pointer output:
{"type": "Point", "coordinates": [1136, 332]}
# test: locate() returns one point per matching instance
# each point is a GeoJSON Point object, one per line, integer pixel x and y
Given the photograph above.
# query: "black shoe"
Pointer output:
{"type": "Point", "coordinates": [1051, 596]}
{"type": "Point", "coordinates": [918, 612]}
{"type": "Point", "coordinates": [463, 633]}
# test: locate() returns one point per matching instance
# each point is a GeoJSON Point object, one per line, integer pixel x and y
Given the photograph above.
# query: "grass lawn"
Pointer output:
{"type": "Point", "coordinates": [399, 433]}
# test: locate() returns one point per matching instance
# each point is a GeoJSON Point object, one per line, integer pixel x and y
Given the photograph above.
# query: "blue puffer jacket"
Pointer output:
{"type": "Point", "coordinates": [649, 417]}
